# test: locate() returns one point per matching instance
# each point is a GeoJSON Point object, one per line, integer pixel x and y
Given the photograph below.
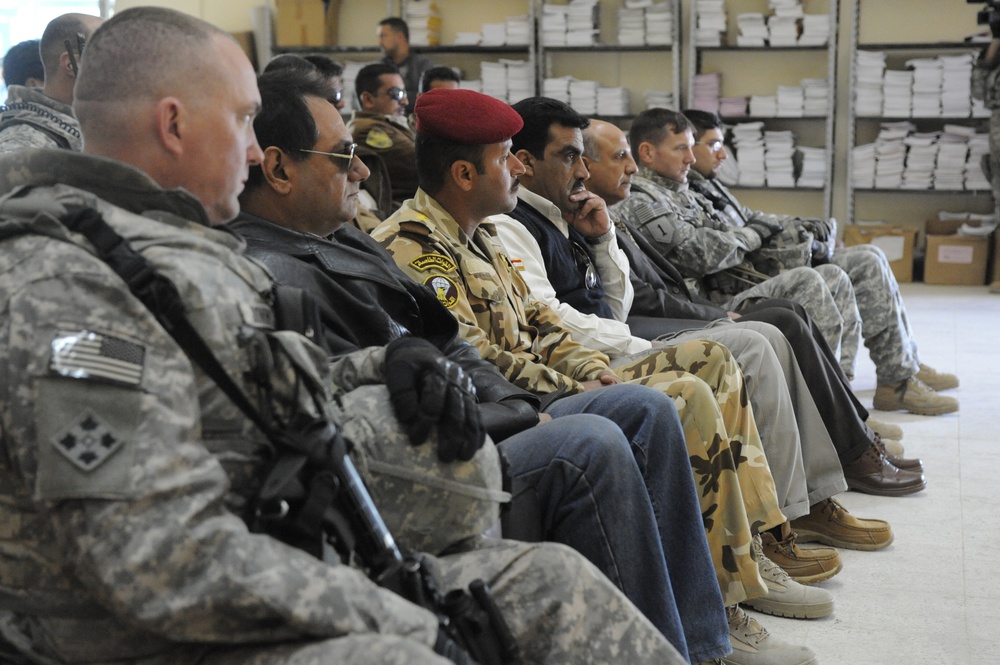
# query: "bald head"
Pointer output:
{"type": "Point", "coordinates": [609, 160]}
{"type": "Point", "coordinates": [58, 60]}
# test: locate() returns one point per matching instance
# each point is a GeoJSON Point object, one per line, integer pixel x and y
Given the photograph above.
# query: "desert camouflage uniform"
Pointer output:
{"type": "Point", "coordinates": [884, 324]}
{"type": "Point", "coordinates": [684, 226]}
{"type": "Point", "coordinates": [123, 468]}
{"type": "Point", "coordinates": [986, 86]}
{"type": "Point", "coordinates": [31, 119]}
{"type": "Point", "coordinates": [393, 141]}
{"type": "Point", "coordinates": [526, 339]}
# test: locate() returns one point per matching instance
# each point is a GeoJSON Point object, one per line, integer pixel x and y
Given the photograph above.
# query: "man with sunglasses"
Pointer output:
{"type": "Point", "coordinates": [44, 118]}
{"type": "Point", "coordinates": [380, 127]}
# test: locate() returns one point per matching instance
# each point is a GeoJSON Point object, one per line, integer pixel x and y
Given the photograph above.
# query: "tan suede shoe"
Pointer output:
{"type": "Point", "coordinates": [829, 523]}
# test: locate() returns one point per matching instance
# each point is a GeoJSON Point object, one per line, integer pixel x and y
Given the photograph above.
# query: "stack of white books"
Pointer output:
{"type": "Point", "coordinates": [659, 99]}
{"type": "Point", "coordinates": [711, 22]}
{"type": "Point", "coordinates": [763, 106]}
{"type": "Point", "coordinates": [468, 38]}
{"type": "Point", "coordinates": [782, 31]}
{"type": "Point", "coordinates": [927, 80]}
{"type": "Point", "coordinates": [816, 100]}
{"type": "Point", "coordinates": [791, 101]}
{"type": "Point", "coordinates": [706, 92]}
{"type": "Point", "coordinates": [557, 88]}
{"type": "Point", "coordinates": [870, 71]}
{"type": "Point", "coordinates": [748, 145]}
{"type": "Point", "coordinates": [753, 29]}
{"type": "Point", "coordinates": [779, 150]}
{"type": "Point", "coordinates": [519, 30]}
{"type": "Point", "coordinates": [631, 26]}
{"type": "Point", "coordinates": [898, 94]}
{"type": "Point", "coordinates": [424, 21]}
{"type": "Point", "coordinates": [813, 173]}
{"type": "Point", "coordinates": [583, 96]}
{"type": "Point", "coordinates": [953, 157]}
{"type": "Point", "coordinates": [660, 24]}
{"type": "Point", "coordinates": [494, 34]}
{"type": "Point", "coordinates": [956, 85]}
{"type": "Point", "coordinates": [733, 107]}
{"type": "Point", "coordinates": [921, 159]}
{"type": "Point", "coordinates": [890, 154]}
{"type": "Point", "coordinates": [815, 30]}
{"type": "Point", "coordinates": [863, 166]}
{"type": "Point", "coordinates": [494, 79]}
{"type": "Point", "coordinates": [581, 23]}
{"type": "Point", "coordinates": [520, 80]}
{"type": "Point", "coordinates": [554, 23]}
{"type": "Point", "coordinates": [612, 101]}
{"type": "Point", "coordinates": [979, 147]}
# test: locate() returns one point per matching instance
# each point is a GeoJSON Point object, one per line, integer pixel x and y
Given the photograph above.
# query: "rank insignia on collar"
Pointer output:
{"type": "Point", "coordinates": [426, 262]}
{"type": "Point", "coordinates": [87, 443]}
{"type": "Point", "coordinates": [444, 289]}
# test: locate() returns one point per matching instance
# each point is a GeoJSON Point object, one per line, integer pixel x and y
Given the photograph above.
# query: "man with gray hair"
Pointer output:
{"type": "Point", "coordinates": [44, 118]}
{"type": "Point", "coordinates": [128, 472]}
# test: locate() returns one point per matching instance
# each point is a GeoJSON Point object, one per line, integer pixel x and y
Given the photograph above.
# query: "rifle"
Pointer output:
{"type": "Point", "coordinates": [312, 496]}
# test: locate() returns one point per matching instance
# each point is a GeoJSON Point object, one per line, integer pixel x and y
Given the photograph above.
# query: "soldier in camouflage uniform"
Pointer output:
{"type": "Point", "coordinates": [902, 379]}
{"type": "Point", "coordinates": [986, 86]}
{"type": "Point", "coordinates": [466, 267]}
{"type": "Point", "coordinates": [44, 118]}
{"type": "Point", "coordinates": [124, 468]}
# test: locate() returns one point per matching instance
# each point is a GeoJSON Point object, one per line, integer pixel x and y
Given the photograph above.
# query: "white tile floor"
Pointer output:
{"type": "Point", "coordinates": [933, 596]}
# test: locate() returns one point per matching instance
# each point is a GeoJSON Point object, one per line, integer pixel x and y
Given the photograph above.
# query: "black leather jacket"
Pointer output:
{"type": "Point", "coordinates": [366, 300]}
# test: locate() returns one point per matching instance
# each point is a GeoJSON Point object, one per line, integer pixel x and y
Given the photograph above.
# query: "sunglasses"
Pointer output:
{"type": "Point", "coordinates": [399, 94]}
{"type": "Point", "coordinates": [713, 146]}
{"type": "Point", "coordinates": [343, 160]}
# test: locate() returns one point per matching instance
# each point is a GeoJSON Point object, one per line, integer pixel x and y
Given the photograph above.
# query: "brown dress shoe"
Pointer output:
{"type": "Point", "coordinates": [829, 523]}
{"type": "Point", "coordinates": [873, 473]}
{"type": "Point", "coordinates": [913, 464]}
{"type": "Point", "coordinates": [804, 565]}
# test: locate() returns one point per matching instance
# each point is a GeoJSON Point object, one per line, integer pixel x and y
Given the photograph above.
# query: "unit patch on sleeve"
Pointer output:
{"type": "Point", "coordinates": [378, 139]}
{"type": "Point", "coordinates": [85, 354]}
{"type": "Point", "coordinates": [445, 290]}
{"type": "Point", "coordinates": [426, 262]}
{"type": "Point", "coordinates": [87, 442]}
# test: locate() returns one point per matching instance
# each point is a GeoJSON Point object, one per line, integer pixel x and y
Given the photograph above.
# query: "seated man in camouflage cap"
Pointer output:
{"type": "Point", "coordinates": [127, 469]}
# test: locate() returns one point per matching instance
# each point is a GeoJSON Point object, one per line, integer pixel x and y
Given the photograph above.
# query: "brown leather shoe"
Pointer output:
{"type": "Point", "coordinates": [804, 565]}
{"type": "Point", "coordinates": [829, 523]}
{"type": "Point", "coordinates": [873, 473]}
{"type": "Point", "coordinates": [914, 464]}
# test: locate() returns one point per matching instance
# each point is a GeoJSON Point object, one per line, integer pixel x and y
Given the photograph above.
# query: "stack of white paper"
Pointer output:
{"type": "Point", "coordinates": [956, 85]}
{"type": "Point", "coordinates": [733, 107]}
{"type": "Point", "coordinates": [583, 96]}
{"type": "Point", "coordinates": [494, 34]}
{"type": "Point", "coordinates": [706, 92]}
{"type": "Point", "coordinates": [890, 154]}
{"type": "Point", "coordinates": [779, 148]}
{"type": "Point", "coordinates": [468, 38]}
{"type": "Point", "coordinates": [869, 70]}
{"type": "Point", "coordinates": [424, 21]}
{"type": "Point", "coordinates": [816, 97]}
{"type": "Point", "coordinates": [921, 159]}
{"type": "Point", "coordinates": [557, 88]}
{"type": "Point", "coordinates": [659, 99]}
{"type": "Point", "coordinates": [581, 23]}
{"type": "Point", "coordinates": [711, 22]}
{"type": "Point", "coordinates": [898, 94]}
{"type": "Point", "coordinates": [975, 179]}
{"type": "Point", "coordinates": [979, 109]}
{"type": "Point", "coordinates": [815, 30]}
{"type": "Point", "coordinates": [753, 29]}
{"type": "Point", "coordinates": [763, 106]}
{"type": "Point", "coordinates": [520, 80]}
{"type": "Point", "coordinates": [927, 79]}
{"type": "Point", "coordinates": [748, 146]}
{"type": "Point", "coordinates": [660, 24]}
{"type": "Point", "coordinates": [612, 101]}
{"type": "Point", "coordinates": [494, 78]}
{"type": "Point", "coordinates": [782, 30]}
{"type": "Point", "coordinates": [518, 30]}
{"type": "Point", "coordinates": [813, 172]}
{"type": "Point", "coordinates": [786, 8]}
{"type": "Point", "coordinates": [863, 166]}
{"type": "Point", "coordinates": [791, 100]}
{"type": "Point", "coordinates": [555, 20]}
{"type": "Point", "coordinates": [953, 157]}
{"type": "Point", "coordinates": [631, 27]}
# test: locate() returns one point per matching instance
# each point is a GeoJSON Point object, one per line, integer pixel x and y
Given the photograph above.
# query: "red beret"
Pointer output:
{"type": "Point", "coordinates": [466, 116]}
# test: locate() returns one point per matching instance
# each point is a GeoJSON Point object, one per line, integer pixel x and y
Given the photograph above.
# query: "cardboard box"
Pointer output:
{"type": "Point", "coordinates": [953, 259]}
{"type": "Point", "coordinates": [897, 242]}
{"type": "Point", "coordinates": [300, 23]}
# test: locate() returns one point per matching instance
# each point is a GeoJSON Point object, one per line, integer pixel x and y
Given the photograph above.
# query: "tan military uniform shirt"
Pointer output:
{"type": "Point", "coordinates": [474, 279]}
{"type": "Point", "coordinates": [394, 143]}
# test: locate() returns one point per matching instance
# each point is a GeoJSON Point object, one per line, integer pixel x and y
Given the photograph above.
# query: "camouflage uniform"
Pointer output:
{"type": "Point", "coordinates": [884, 324]}
{"type": "Point", "coordinates": [392, 140]}
{"type": "Point", "coordinates": [475, 280]}
{"type": "Point", "coordinates": [31, 119]}
{"type": "Point", "coordinates": [685, 227]}
{"type": "Point", "coordinates": [986, 86]}
{"type": "Point", "coordinates": [123, 468]}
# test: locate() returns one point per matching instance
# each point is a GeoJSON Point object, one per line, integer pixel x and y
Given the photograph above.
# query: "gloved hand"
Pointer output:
{"type": "Point", "coordinates": [819, 229]}
{"type": "Point", "coordinates": [427, 389]}
{"type": "Point", "coordinates": [447, 647]}
{"type": "Point", "coordinates": [764, 229]}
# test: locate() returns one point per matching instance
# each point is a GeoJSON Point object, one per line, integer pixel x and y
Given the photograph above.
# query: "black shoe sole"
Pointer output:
{"type": "Point", "coordinates": [881, 491]}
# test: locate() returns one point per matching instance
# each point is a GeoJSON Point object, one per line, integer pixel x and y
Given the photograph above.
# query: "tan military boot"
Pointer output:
{"type": "Point", "coordinates": [885, 430]}
{"type": "Point", "coordinates": [915, 396]}
{"type": "Point", "coordinates": [995, 287]}
{"type": "Point", "coordinates": [937, 381]}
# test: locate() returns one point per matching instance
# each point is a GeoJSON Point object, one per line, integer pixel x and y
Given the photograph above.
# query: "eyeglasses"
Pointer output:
{"type": "Point", "coordinates": [337, 96]}
{"type": "Point", "coordinates": [399, 94]}
{"type": "Point", "coordinates": [81, 41]}
{"type": "Point", "coordinates": [586, 266]}
{"type": "Point", "coordinates": [346, 158]}
{"type": "Point", "coordinates": [713, 146]}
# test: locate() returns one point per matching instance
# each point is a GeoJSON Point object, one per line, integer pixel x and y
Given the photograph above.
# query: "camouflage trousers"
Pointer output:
{"type": "Point", "coordinates": [559, 607]}
{"type": "Point", "coordinates": [994, 159]}
{"type": "Point", "coordinates": [731, 472]}
{"type": "Point", "coordinates": [800, 453]}
{"type": "Point", "coordinates": [827, 296]}
{"type": "Point", "coordinates": [884, 324]}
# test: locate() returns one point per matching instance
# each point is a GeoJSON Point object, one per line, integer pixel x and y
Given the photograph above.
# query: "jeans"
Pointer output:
{"type": "Point", "coordinates": [628, 504]}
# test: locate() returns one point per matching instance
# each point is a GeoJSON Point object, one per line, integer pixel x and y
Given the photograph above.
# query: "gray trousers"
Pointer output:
{"type": "Point", "coordinates": [803, 460]}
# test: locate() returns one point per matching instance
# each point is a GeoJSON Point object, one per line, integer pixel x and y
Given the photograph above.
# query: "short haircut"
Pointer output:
{"type": "Point", "coordinates": [398, 25]}
{"type": "Point", "coordinates": [61, 28]}
{"type": "Point", "coordinates": [539, 114]}
{"type": "Point", "coordinates": [304, 64]}
{"type": "Point", "coordinates": [652, 126]}
{"type": "Point", "coordinates": [326, 65]}
{"type": "Point", "coordinates": [702, 121]}
{"type": "Point", "coordinates": [284, 120]}
{"type": "Point", "coordinates": [23, 62]}
{"type": "Point", "coordinates": [438, 73]}
{"type": "Point", "coordinates": [435, 157]}
{"type": "Point", "coordinates": [143, 53]}
{"type": "Point", "coordinates": [368, 78]}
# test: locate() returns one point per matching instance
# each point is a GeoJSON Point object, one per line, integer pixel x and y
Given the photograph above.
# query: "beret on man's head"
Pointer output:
{"type": "Point", "coordinates": [465, 116]}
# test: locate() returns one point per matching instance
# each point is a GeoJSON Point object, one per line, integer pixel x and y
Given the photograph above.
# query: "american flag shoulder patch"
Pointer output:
{"type": "Point", "coordinates": [86, 354]}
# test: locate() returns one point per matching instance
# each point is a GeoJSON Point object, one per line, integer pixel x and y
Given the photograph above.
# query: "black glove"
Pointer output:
{"type": "Point", "coordinates": [764, 229]}
{"type": "Point", "coordinates": [819, 229]}
{"type": "Point", "coordinates": [427, 389]}
{"type": "Point", "coordinates": [447, 647]}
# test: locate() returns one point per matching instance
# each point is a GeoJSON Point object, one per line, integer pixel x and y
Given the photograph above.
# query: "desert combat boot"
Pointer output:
{"type": "Point", "coordinates": [915, 396]}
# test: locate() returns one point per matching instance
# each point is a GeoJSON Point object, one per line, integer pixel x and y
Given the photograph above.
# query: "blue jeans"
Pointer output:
{"type": "Point", "coordinates": [624, 497]}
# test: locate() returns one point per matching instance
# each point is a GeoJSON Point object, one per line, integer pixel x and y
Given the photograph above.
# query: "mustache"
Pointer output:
{"type": "Point", "coordinates": [577, 186]}
{"type": "Point", "coordinates": [517, 183]}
